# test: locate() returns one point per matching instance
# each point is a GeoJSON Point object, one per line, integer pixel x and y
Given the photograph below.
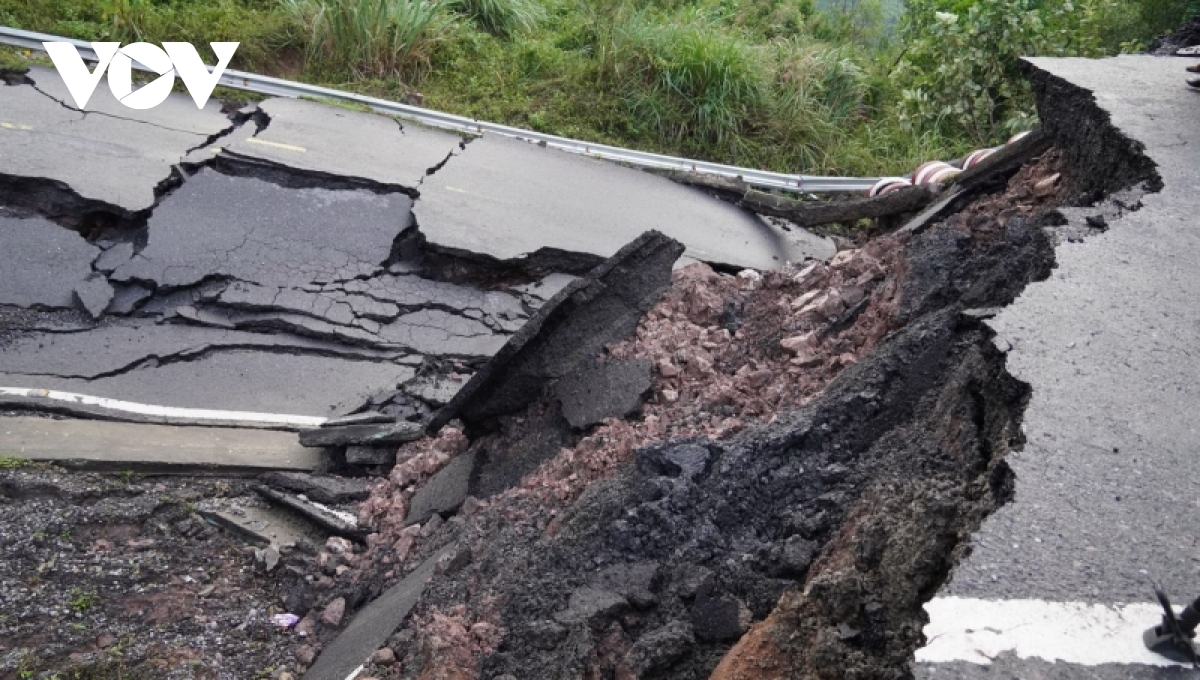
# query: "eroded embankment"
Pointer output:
{"type": "Point", "coordinates": [817, 448]}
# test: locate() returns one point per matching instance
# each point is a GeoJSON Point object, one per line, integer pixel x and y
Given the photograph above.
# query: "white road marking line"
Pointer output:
{"type": "Point", "coordinates": [277, 145]}
{"type": "Point", "coordinates": [346, 517]}
{"type": "Point", "coordinates": [976, 631]}
{"type": "Point", "coordinates": [356, 672]}
{"type": "Point", "coordinates": [166, 411]}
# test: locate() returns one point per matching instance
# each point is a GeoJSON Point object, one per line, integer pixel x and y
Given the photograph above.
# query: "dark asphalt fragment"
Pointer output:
{"type": "Point", "coordinates": [574, 326]}
{"type": "Point", "coordinates": [605, 389]}
{"type": "Point", "coordinates": [328, 489]}
{"type": "Point", "coordinates": [376, 434]}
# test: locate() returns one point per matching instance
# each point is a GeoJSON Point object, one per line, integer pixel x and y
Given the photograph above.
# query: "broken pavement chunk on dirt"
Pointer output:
{"type": "Point", "coordinates": [612, 388]}
{"type": "Point", "coordinates": [445, 491]}
{"type": "Point", "coordinates": [372, 626]}
{"type": "Point", "coordinates": [375, 434]}
{"type": "Point", "coordinates": [604, 306]}
{"type": "Point", "coordinates": [329, 489]}
{"type": "Point", "coordinates": [342, 524]}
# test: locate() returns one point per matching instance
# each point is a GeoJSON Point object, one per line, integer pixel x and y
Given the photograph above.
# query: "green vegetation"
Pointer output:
{"type": "Point", "coordinates": [814, 86]}
{"type": "Point", "coordinates": [959, 72]}
{"type": "Point", "coordinates": [83, 600]}
{"type": "Point", "coordinates": [13, 463]}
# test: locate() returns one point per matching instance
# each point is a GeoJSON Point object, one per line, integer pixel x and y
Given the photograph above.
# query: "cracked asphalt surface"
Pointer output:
{"type": "Point", "coordinates": [1109, 480]}
{"type": "Point", "coordinates": [276, 259]}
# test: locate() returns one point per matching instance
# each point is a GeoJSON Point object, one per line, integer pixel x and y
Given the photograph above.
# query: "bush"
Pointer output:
{"type": "Point", "coordinates": [960, 73]}
{"type": "Point", "coordinates": [692, 80]}
{"type": "Point", "coordinates": [503, 18]}
{"type": "Point", "coordinates": [372, 38]}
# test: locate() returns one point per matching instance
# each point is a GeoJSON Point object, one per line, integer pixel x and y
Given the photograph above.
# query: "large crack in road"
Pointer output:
{"type": "Point", "coordinates": [760, 475]}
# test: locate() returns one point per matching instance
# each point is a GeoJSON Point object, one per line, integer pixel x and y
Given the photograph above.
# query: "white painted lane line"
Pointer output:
{"type": "Point", "coordinates": [976, 631]}
{"type": "Point", "coordinates": [164, 411]}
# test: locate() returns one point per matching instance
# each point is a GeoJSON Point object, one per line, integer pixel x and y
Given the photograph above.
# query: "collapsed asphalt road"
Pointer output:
{"type": "Point", "coordinates": [652, 474]}
{"type": "Point", "coordinates": [280, 249]}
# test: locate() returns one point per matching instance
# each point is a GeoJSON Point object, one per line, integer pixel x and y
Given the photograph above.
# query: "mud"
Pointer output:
{"type": "Point", "coordinates": [118, 576]}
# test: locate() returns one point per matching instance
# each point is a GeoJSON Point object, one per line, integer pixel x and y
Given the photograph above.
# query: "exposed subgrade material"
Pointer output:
{"type": "Point", "coordinates": [799, 541]}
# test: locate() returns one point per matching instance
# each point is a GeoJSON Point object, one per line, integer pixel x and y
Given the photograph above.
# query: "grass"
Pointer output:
{"type": "Point", "coordinates": [774, 84]}
{"type": "Point", "coordinates": [370, 38]}
{"type": "Point", "coordinates": [83, 599]}
{"type": "Point", "coordinates": [13, 462]}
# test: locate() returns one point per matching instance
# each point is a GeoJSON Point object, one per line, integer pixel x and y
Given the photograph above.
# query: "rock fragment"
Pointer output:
{"type": "Point", "coordinates": [333, 612]}
{"type": "Point", "coordinates": [660, 648]}
{"type": "Point", "coordinates": [592, 606]}
{"type": "Point", "coordinates": [719, 617]}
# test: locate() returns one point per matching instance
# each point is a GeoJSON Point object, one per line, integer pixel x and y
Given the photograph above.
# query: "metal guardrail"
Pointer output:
{"type": "Point", "coordinates": [277, 87]}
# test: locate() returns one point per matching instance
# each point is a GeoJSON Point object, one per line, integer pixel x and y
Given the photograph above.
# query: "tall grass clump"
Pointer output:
{"type": "Point", "coordinates": [692, 81]}
{"type": "Point", "coordinates": [372, 38]}
{"type": "Point", "coordinates": [503, 18]}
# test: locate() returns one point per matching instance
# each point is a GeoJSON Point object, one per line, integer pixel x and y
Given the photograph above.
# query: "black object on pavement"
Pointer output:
{"type": "Point", "coordinates": [1173, 637]}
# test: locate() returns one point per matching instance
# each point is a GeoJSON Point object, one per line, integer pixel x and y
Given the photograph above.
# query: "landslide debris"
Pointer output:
{"type": "Point", "coordinates": [816, 447]}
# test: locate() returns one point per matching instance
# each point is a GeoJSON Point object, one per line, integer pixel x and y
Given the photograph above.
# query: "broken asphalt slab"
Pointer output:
{"type": "Point", "coordinates": [507, 199]}
{"type": "Point", "coordinates": [373, 625]}
{"type": "Point", "coordinates": [605, 389]}
{"type": "Point", "coordinates": [110, 154]}
{"type": "Point", "coordinates": [573, 327]}
{"type": "Point", "coordinates": [262, 233]}
{"type": "Point", "coordinates": [556, 348]}
{"type": "Point", "coordinates": [329, 489]}
{"type": "Point", "coordinates": [260, 523]}
{"type": "Point", "coordinates": [332, 140]}
{"type": "Point", "coordinates": [333, 521]}
{"type": "Point", "coordinates": [445, 491]}
{"type": "Point", "coordinates": [42, 262]}
{"type": "Point", "coordinates": [128, 446]}
{"type": "Point", "coordinates": [237, 379]}
{"type": "Point", "coordinates": [371, 434]}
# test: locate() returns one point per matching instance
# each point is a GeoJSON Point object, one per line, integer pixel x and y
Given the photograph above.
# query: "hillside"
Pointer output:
{"type": "Point", "coordinates": [825, 86]}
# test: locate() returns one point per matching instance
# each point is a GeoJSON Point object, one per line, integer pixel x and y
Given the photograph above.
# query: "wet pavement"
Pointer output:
{"type": "Point", "coordinates": [300, 258]}
{"type": "Point", "coordinates": [1108, 480]}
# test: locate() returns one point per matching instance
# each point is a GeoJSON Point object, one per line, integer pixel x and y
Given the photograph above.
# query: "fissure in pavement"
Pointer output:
{"type": "Point", "coordinates": [704, 537]}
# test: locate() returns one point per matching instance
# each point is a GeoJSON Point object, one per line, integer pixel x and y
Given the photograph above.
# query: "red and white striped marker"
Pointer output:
{"type": "Point", "coordinates": [887, 184]}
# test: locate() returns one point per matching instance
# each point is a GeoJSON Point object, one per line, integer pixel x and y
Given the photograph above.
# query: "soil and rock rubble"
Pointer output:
{"type": "Point", "coordinates": [817, 446]}
{"type": "Point", "coordinates": [110, 576]}
{"type": "Point", "coordinates": [814, 448]}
